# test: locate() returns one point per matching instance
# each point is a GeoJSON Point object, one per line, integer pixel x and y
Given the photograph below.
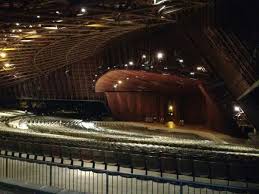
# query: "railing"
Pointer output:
{"type": "Point", "coordinates": [78, 177]}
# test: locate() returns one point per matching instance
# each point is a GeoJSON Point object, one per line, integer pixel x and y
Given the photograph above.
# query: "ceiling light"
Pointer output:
{"type": "Point", "coordinates": [83, 10]}
{"type": "Point", "coordinates": [131, 63]}
{"type": "Point", "coordinates": [201, 68]}
{"type": "Point", "coordinates": [3, 54]}
{"type": "Point", "coordinates": [160, 55]}
{"type": "Point", "coordinates": [237, 108]}
{"type": "Point", "coordinates": [181, 60]}
{"type": "Point", "coordinates": [144, 56]}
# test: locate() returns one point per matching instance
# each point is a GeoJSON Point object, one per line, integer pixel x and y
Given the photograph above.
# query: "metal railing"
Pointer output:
{"type": "Point", "coordinates": [78, 177]}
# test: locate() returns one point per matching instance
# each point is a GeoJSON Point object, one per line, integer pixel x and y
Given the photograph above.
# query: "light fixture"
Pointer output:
{"type": "Point", "coordinates": [127, 78]}
{"type": "Point", "coordinates": [20, 30]}
{"type": "Point", "coordinates": [131, 63]}
{"type": "Point", "coordinates": [180, 60]}
{"type": "Point", "coordinates": [119, 82]}
{"type": "Point", "coordinates": [3, 54]}
{"type": "Point", "coordinates": [144, 56]}
{"type": "Point", "coordinates": [160, 55]}
{"type": "Point", "coordinates": [201, 68]}
{"type": "Point", "coordinates": [38, 16]}
{"type": "Point", "coordinates": [17, 24]}
{"type": "Point", "coordinates": [115, 85]}
{"type": "Point", "coordinates": [30, 26]}
{"type": "Point", "coordinates": [57, 12]}
{"type": "Point", "coordinates": [83, 10]}
{"type": "Point", "coordinates": [192, 73]}
{"type": "Point", "coordinates": [126, 65]}
{"type": "Point", "coordinates": [237, 108]}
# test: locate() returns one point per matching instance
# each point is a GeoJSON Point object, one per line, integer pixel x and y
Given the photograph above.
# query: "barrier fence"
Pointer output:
{"type": "Point", "coordinates": [90, 180]}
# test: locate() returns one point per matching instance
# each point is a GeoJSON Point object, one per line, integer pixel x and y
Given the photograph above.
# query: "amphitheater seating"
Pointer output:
{"type": "Point", "coordinates": [218, 170]}
{"type": "Point", "coordinates": [124, 159]}
{"type": "Point", "coordinates": [201, 168]}
{"type": "Point", "coordinates": [185, 166]}
{"type": "Point", "coordinates": [98, 156]}
{"type": "Point", "coordinates": [138, 161]}
{"type": "Point", "coordinates": [168, 165]}
{"type": "Point", "coordinates": [153, 163]}
{"type": "Point", "coordinates": [110, 157]}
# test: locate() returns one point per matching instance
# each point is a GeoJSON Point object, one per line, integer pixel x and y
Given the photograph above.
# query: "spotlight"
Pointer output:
{"type": "Point", "coordinates": [160, 55]}
{"type": "Point", "coordinates": [237, 108]}
{"type": "Point", "coordinates": [83, 10]}
{"type": "Point", "coordinates": [180, 60]}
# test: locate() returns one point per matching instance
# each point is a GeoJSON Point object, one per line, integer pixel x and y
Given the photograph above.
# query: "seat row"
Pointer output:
{"type": "Point", "coordinates": [164, 164]}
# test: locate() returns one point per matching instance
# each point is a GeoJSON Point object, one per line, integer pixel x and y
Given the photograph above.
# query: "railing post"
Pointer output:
{"type": "Point", "coordinates": [107, 183]}
{"type": "Point", "coordinates": [50, 175]}
{"type": "Point", "coordinates": [181, 188]}
{"type": "Point", "coordinates": [6, 167]}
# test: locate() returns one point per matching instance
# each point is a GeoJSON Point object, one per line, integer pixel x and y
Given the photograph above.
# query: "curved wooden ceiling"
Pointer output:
{"type": "Point", "coordinates": [40, 36]}
{"type": "Point", "coordinates": [143, 81]}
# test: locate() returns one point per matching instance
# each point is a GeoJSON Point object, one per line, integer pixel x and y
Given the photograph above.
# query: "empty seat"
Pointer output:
{"type": "Point", "coordinates": [201, 168]}
{"type": "Point", "coordinates": [46, 150]}
{"type": "Point", "coordinates": [185, 166]}
{"type": "Point", "coordinates": [237, 172]}
{"type": "Point", "coordinates": [22, 147]}
{"type": "Point", "coordinates": [138, 161]}
{"type": "Point", "coordinates": [253, 173]}
{"type": "Point", "coordinates": [55, 151]}
{"type": "Point", "coordinates": [86, 154]}
{"type": "Point", "coordinates": [98, 156]}
{"type": "Point", "coordinates": [65, 152]}
{"type": "Point", "coordinates": [110, 157]}
{"type": "Point", "coordinates": [168, 165]}
{"type": "Point", "coordinates": [75, 153]}
{"type": "Point", "coordinates": [124, 159]}
{"type": "Point", "coordinates": [153, 163]}
{"type": "Point", "coordinates": [218, 170]}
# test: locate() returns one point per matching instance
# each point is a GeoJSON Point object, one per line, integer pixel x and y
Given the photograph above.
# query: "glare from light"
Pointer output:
{"type": "Point", "coordinates": [115, 85]}
{"type": "Point", "coordinates": [127, 78]}
{"type": "Point", "coordinates": [201, 68]}
{"type": "Point", "coordinates": [30, 26]}
{"type": "Point", "coordinates": [83, 10]}
{"type": "Point", "coordinates": [57, 12]}
{"type": "Point", "coordinates": [160, 55]}
{"type": "Point", "coordinates": [119, 82]}
{"type": "Point", "coordinates": [237, 108]}
{"type": "Point", "coordinates": [51, 28]}
{"type": "Point", "coordinates": [8, 65]}
{"type": "Point", "coordinates": [131, 63]}
{"type": "Point", "coordinates": [13, 31]}
{"type": "Point", "coordinates": [181, 60]}
{"type": "Point", "coordinates": [3, 54]}
{"type": "Point", "coordinates": [126, 65]}
{"type": "Point", "coordinates": [17, 24]}
{"type": "Point", "coordinates": [20, 30]}
{"type": "Point", "coordinates": [38, 16]}
{"type": "Point", "coordinates": [144, 56]}
{"type": "Point", "coordinates": [170, 108]}
{"type": "Point", "coordinates": [192, 73]}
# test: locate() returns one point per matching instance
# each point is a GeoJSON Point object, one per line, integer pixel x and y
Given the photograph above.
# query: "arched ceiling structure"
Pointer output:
{"type": "Point", "coordinates": [41, 36]}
